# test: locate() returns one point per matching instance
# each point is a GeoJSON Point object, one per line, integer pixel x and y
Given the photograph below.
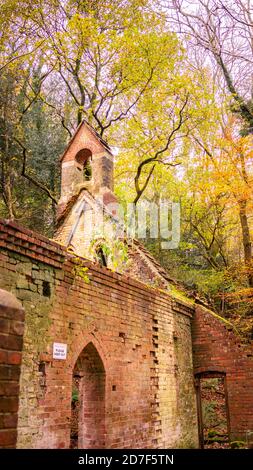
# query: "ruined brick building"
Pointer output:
{"type": "Point", "coordinates": [120, 344]}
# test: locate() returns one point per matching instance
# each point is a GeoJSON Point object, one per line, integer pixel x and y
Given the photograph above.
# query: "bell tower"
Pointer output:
{"type": "Point", "coordinates": [87, 163]}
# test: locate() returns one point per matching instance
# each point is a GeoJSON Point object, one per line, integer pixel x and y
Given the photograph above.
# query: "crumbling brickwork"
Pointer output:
{"type": "Point", "coordinates": [217, 349]}
{"type": "Point", "coordinates": [11, 343]}
{"type": "Point", "coordinates": [140, 334]}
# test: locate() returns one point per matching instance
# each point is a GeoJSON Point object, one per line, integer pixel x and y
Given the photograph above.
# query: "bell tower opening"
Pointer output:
{"type": "Point", "coordinates": [83, 160]}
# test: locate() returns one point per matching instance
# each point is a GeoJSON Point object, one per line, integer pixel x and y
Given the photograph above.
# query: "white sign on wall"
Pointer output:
{"type": "Point", "coordinates": [59, 351]}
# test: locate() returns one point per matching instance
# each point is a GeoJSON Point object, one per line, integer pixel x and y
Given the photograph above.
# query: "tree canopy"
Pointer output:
{"type": "Point", "coordinates": [169, 85]}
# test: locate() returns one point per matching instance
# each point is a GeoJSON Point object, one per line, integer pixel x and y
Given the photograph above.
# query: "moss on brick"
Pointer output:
{"type": "Point", "coordinates": [132, 326]}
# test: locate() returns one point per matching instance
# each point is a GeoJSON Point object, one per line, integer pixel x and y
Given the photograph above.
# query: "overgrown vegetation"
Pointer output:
{"type": "Point", "coordinates": [177, 107]}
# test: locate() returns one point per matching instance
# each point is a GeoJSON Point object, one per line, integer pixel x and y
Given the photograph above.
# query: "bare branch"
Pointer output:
{"type": "Point", "coordinates": [30, 178]}
{"type": "Point", "coordinates": [181, 120]}
{"type": "Point", "coordinates": [21, 56]}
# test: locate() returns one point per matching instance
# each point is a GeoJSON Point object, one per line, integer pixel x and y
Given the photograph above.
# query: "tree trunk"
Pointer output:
{"type": "Point", "coordinates": [247, 245]}
{"type": "Point", "coordinates": [8, 197]}
{"type": "Point", "coordinates": [6, 176]}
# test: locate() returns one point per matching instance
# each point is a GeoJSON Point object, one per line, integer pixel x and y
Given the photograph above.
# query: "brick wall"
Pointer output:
{"type": "Point", "coordinates": [11, 342]}
{"type": "Point", "coordinates": [140, 335]}
{"type": "Point", "coordinates": [216, 349]}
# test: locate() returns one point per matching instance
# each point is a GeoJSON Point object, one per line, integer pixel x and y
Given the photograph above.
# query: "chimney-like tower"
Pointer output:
{"type": "Point", "coordinates": [86, 163]}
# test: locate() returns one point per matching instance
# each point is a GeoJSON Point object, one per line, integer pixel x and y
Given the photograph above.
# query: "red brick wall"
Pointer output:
{"type": "Point", "coordinates": [216, 349]}
{"type": "Point", "coordinates": [142, 338]}
{"type": "Point", "coordinates": [11, 342]}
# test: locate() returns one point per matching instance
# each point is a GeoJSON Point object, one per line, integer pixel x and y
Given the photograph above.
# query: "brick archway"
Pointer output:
{"type": "Point", "coordinates": [89, 335]}
{"type": "Point", "coordinates": [88, 400]}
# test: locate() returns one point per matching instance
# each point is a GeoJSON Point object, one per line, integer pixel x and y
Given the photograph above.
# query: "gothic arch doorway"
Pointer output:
{"type": "Point", "coordinates": [88, 401]}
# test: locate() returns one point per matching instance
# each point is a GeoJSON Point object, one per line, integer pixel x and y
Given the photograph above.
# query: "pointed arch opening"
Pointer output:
{"type": "Point", "coordinates": [88, 401]}
{"type": "Point", "coordinates": [101, 256]}
{"type": "Point", "coordinates": [83, 160]}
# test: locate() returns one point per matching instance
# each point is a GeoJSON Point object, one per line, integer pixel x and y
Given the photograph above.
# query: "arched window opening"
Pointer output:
{"type": "Point", "coordinates": [87, 170]}
{"type": "Point", "coordinates": [83, 162]}
{"type": "Point", "coordinates": [88, 401]}
{"type": "Point", "coordinates": [101, 256]}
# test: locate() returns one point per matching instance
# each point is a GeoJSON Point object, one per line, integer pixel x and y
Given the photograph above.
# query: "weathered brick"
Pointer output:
{"type": "Point", "coordinates": [4, 325]}
{"type": "Point", "coordinates": [8, 420]}
{"type": "Point", "coordinates": [215, 348]}
{"type": "Point", "coordinates": [8, 404]}
{"type": "Point", "coordinates": [8, 388]}
{"type": "Point", "coordinates": [7, 438]}
{"type": "Point", "coordinates": [3, 357]}
{"type": "Point", "coordinates": [12, 342]}
{"type": "Point", "coordinates": [14, 358]}
{"type": "Point", "coordinates": [17, 328]}
{"type": "Point", "coordinates": [142, 338]}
